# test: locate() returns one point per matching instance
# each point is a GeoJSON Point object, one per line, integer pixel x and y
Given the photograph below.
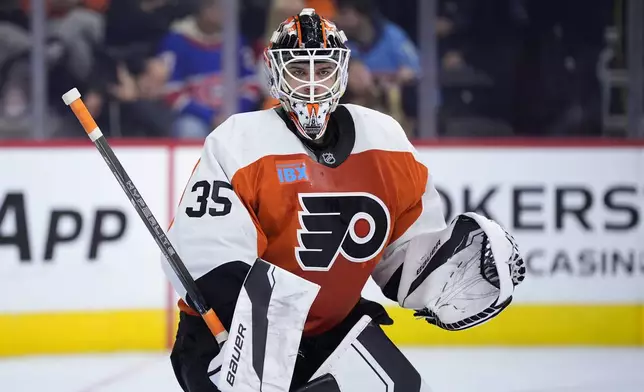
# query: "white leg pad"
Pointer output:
{"type": "Point", "coordinates": [366, 360]}
{"type": "Point", "coordinates": [266, 330]}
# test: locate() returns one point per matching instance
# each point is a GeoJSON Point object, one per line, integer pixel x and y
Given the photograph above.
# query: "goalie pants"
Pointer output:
{"type": "Point", "coordinates": [195, 347]}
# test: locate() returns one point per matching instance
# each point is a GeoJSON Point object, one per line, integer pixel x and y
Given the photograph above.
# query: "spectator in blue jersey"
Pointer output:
{"type": "Point", "coordinates": [379, 44]}
{"type": "Point", "coordinates": [192, 52]}
{"type": "Point", "coordinates": [388, 54]}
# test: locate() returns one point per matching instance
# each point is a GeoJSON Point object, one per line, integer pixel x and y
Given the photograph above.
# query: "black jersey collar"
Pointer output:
{"type": "Point", "coordinates": [338, 140]}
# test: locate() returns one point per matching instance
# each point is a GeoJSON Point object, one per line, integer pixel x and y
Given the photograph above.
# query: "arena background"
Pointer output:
{"type": "Point", "coordinates": [527, 111]}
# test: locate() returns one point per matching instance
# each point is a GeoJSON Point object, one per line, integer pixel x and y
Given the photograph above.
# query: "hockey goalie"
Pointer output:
{"type": "Point", "coordinates": [288, 213]}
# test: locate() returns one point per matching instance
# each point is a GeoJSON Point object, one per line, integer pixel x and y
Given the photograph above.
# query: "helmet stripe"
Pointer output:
{"type": "Point", "coordinates": [299, 31]}
{"type": "Point", "coordinates": [323, 32]}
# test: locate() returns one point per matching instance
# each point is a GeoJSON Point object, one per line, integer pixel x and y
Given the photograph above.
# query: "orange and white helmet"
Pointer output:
{"type": "Point", "coordinates": [310, 96]}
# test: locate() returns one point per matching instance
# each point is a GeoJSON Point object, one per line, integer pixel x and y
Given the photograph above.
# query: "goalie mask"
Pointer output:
{"type": "Point", "coordinates": [307, 63]}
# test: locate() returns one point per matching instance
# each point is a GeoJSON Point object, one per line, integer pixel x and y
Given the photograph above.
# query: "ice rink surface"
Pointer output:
{"type": "Point", "coordinates": [445, 369]}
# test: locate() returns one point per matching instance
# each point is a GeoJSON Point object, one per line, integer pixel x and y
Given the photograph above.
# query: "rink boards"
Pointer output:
{"type": "Point", "coordinates": [79, 271]}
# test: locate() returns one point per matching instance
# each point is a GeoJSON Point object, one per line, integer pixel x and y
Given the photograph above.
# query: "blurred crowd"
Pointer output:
{"type": "Point", "coordinates": [153, 68]}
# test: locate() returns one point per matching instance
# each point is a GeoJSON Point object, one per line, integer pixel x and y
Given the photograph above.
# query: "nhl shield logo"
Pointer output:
{"type": "Point", "coordinates": [328, 158]}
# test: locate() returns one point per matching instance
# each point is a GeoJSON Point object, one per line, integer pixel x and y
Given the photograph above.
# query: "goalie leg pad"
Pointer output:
{"type": "Point", "coordinates": [266, 330]}
{"type": "Point", "coordinates": [366, 360]}
{"type": "Point", "coordinates": [326, 383]}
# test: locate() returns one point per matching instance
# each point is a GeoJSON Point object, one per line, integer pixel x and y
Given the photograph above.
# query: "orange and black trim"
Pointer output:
{"type": "Point", "coordinates": [312, 31]}
{"type": "Point", "coordinates": [323, 26]}
{"type": "Point", "coordinates": [299, 31]}
{"type": "Point", "coordinates": [313, 108]}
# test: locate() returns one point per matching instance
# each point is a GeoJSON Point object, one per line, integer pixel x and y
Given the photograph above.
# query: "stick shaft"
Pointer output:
{"type": "Point", "coordinates": [179, 268]}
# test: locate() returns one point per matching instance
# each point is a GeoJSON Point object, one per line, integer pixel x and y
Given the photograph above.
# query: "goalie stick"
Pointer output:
{"type": "Point", "coordinates": [72, 98]}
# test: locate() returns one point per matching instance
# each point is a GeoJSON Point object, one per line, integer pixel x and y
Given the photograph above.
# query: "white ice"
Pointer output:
{"type": "Point", "coordinates": [445, 369]}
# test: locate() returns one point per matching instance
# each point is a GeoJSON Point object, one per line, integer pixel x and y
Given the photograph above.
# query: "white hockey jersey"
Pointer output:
{"type": "Point", "coordinates": [334, 218]}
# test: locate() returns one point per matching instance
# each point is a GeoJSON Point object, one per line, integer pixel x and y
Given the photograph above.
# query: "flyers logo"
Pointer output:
{"type": "Point", "coordinates": [354, 225]}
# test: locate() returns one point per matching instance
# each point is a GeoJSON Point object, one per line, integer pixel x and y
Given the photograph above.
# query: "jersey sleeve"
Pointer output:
{"type": "Point", "coordinates": [424, 215]}
{"type": "Point", "coordinates": [213, 228]}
